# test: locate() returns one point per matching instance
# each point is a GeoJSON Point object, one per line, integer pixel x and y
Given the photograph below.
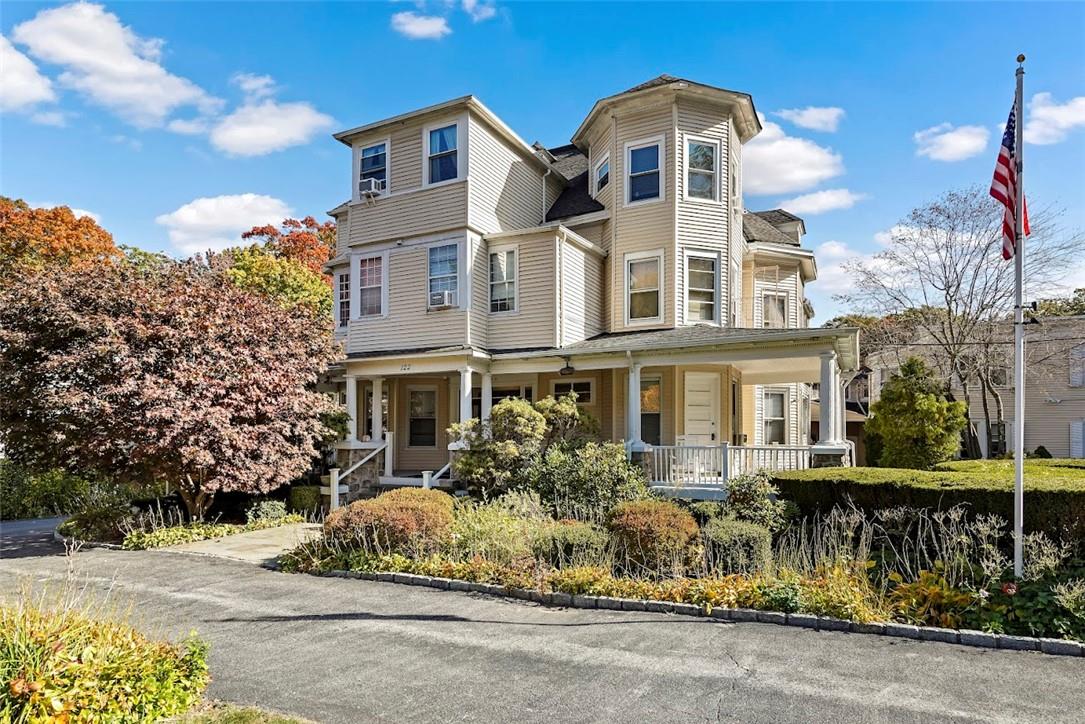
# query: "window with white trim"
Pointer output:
{"type": "Point", "coordinates": [701, 285]}
{"type": "Point", "coordinates": [373, 164]}
{"type": "Point", "coordinates": [443, 160]}
{"type": "Point", "coordinates": [444, 273]}
{"type": "Point", "coordinates": [642, 172]}
{"type": "Point", "coordinates": [602, 174]}
{"type": "Point", "coordinates": [371, 286]}
{"type": "Point", "coordinates": [651, 410]}
{"type": "Point", "coordinates": [701, 167]}
{"type": "Point", "coordinates": [643, 276]}
{"type": "Point", "coordinates": [503, 280]}
{"type": "Point", "coordinates": [773, 310]}
{"type": "Point", "coordinates": [422, 417]}
{"type": "Point", "coordinates": [343, 298]}
{"type": "Point", "coordinates": [583, 390]}
{"type": "Point", "coordinates": [774, 417]}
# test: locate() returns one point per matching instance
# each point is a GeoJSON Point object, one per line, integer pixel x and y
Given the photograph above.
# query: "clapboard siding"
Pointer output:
{"type": "Point", "coordinates": [425, 211]}
{"type": "Point", "coordinates": [532, 324]}
{"type": "Point", "coordinates": [480, 292]}
{"type": "Point", "coordinates": [506, 189]}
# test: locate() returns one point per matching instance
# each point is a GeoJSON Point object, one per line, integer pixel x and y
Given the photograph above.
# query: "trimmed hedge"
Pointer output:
{"type": "Point", "coordinates": [735, 546]}
{"type": "Point", "coordinates": [1054, 490]}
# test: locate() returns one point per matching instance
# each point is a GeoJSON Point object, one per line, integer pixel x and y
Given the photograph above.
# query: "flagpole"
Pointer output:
{"type": "Point", "coordinates": [1019, 333]}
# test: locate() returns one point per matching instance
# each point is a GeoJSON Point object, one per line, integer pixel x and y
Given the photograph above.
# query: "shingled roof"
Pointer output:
{"type": "Point", "coordinates": [778, 216]}
{"type": "Point", "coordinates": [576, 198]}
{"type": "Point", "coordinates": [755, 228]}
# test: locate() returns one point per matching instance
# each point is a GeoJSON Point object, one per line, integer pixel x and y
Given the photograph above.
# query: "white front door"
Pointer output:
{"type": "Point", "coordinates": [702, 413]}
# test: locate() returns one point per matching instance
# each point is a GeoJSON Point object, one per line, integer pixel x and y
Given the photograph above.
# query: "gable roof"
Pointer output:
{"type": "Point", "coordinates": [755, 228]}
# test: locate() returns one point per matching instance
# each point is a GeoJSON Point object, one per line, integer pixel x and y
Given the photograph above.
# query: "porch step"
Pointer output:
{"type": "Point", "coordinates": [401, 481]}
{"type": "Point", "coordinates": [691, 492]}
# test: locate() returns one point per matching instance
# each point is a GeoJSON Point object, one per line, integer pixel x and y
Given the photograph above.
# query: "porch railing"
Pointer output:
{"type": "Point", "coordinates": [713, 465]}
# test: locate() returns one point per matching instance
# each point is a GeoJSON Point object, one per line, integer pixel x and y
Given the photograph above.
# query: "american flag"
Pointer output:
{"type": "Point", "coordinates": [1004, 187]}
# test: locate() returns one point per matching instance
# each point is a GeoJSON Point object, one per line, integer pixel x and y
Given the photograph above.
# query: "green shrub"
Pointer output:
{"type": "Point", "coordinates": [1054, 491]}
{"type": "Point", "coordinates": [99, 522]}
{"type": "Point", "coordinates": [28, 495]}
{"type": "Point", "coordinates": [587, 482]}
{"type": "Point", "coordinates": [405, 519]}
{"type": "Point", "coordinates": [736, 546]}
{"type": "Point", "coordinates": [570, 543]}
{"type": "Point", "coordinates": [782, 595]}
{"type": "Point", "coordinates": [266, 510]}
{"type": "Point", "coordinates": [752, 498]}
{"type": "Point", "coordinates": [1040, 452]}
{"type": "Point", "coordinates": [494, 531]}
{"type": "Point", "coordinates": [706, 510]}
{"type": "Point", "coordinates": [305, 499]}
{"type": "Point", "coordinates": [652, 535]}
{"type": "Point", "coordinates": [171, 535]}
{"type": "Point", "coordinates": [61, 664]}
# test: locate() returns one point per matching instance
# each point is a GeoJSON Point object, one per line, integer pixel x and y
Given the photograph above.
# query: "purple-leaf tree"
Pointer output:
{"type": "Point", "coordinates": [162, 374]}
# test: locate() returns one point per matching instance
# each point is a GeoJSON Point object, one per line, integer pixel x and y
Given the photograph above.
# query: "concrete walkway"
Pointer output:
{"type": "Point", "coordinates": [261, 547]}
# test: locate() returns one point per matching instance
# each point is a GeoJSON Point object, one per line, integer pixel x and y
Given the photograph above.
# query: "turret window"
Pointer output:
{"type": "Point", "coordinates": [702, 166]}
{"type": "Point", "coordinates": [643, 180]}
{"type": "Point", "coordinates": [701, 286]}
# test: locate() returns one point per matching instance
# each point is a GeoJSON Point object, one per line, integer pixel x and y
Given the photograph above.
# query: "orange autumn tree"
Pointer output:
{"type": "Point", "coordinates": [34, 238]}
{"type": "Point", "coordinates": [308, 242]}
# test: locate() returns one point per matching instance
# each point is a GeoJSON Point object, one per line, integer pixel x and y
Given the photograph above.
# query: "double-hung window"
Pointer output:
{"type": "Point", "coordinates": [774, 417]}
{"type": "Point", "coordinates": [422, 418]}
{"type": "Point", "coordinates": [343, 298]}
{"type": "Point", "coordinates": [370, 286]}
{"type": "Point", "coordinates": [373, 164]}
{"type": "Point", "coordinates": [773, 310]}
{"type": "Point", "coordinates": [701, 167]}
{"type": "Point", "coordinates": [444, 272]}
{"type": "Point", "coordinates": [503, 280]}
{"type": "Point", "coordinates": [602, 174]}
{"type": "Point", "coordinates": [651, 410]}
{"type": "Point", "coordinates": [701, 303]}
{"type": "Point", "coordinates": [644, 287]}
{"type": "Point", "coordinates": [441, 148]}
{"type": "Point", "coordinates": [643, 178]}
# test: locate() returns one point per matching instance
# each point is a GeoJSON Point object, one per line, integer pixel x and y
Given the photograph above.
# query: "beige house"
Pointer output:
{"type": "Point", "coordinates": [472, 267]}
{"type": "Point", "coordinates": [1054, 387]}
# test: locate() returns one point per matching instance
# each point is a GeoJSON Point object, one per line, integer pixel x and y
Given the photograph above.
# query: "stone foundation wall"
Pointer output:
{"type": "Point", "coordinates": [363, 482]}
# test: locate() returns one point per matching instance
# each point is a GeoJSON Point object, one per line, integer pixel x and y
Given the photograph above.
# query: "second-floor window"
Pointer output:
{"type": "Point", "coordinates": [774, 310]}
{"type": "Point", "coordinates": [443, 162]}
{"type": "Point", "coordinates": [443, 272]}
{"type": "Point", "coordinates": [343, 298]}
{"type": "Point", "coordinates": [701, 169]}
{"type": "Point", "coordinates": [642, 172]}
{"type": "Point", "coordinates": [374, 165]}
{"type": "Point", "coordinates": [643, 298]}
{"type": "Point", "coordinates": [602, 174]}
{"type": "Point", "coordinates": [503, 280]}
{"type": "Point", "coordinates": [370, 287]}
{"type": "Point", "coordinates": [701, 300]}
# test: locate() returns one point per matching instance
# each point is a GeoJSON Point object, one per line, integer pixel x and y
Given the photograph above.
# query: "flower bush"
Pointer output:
{"type": "Point", "coordinates": [406, 519]}
{"type": "Point", "coordinates": [61, 663]}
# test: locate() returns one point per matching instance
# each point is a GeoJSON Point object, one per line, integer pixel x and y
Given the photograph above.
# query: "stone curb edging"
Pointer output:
{"type": "Point", "coordinates": [978, 639]}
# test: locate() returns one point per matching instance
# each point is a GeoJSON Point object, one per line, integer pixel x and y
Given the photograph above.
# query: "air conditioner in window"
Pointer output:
{"type": "Point", "coordinates": [442, 300]}
{"type": "Point", "coordinates": [369, 187]}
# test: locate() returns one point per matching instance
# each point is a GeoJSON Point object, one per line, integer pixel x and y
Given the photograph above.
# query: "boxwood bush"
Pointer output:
{"type": "Point", "coordinates": [736, 546]}
{"type": "Point", "coordinates": [1054, 491]}
{"type": "Point", "coordinates": [304, 499]}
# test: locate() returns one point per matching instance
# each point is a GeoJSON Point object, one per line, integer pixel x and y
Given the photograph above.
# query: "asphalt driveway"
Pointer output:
{"type": "Point", "coordinates": [342, 650]}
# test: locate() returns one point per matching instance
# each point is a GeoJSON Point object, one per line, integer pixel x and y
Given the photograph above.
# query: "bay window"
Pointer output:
{"type": "Point", "coordinates": [701, 297]}
{"type": "Point", "coordinates": [701, 169]}
{"type": "Point", "coordinates": [644, 287]}
{"type": "Point", "coordinates": [643, 177]}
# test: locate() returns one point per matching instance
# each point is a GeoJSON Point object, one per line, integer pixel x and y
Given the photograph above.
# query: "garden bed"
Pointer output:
{"type": "Point", "coordinates": [1054, 491]}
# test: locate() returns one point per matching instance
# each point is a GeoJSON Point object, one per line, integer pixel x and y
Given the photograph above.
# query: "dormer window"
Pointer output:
{"type": "Point", "coordinates": [642, 175]}
{"type": "Point", "coordinates": [602, 174]}
{"type": "Point", "coordinates": [442, 158]}
{"type": "Point", "coordinates": [373, 164]}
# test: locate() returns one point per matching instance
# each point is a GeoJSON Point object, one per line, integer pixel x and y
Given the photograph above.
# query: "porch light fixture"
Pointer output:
{"type": "Point", "coordinates": [567, 369]}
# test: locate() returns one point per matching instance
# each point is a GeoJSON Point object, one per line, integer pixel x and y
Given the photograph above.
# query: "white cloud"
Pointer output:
{"type": "Point", "coordinates": [776, 163]}
{"type": "Point", "coordinates": [189, 126]}
{"type": "Point", "coordinates": [420, 27]}
{"type": "Point", "coordinates": [944, 142]}
{"type": "Point", "coordinates": [257, 128]}
{"type": "Point", "coordinates": [814, 118]}
{"type": "Point", "coordinates": [22, 86]}
{"type": "Point", "coordinates": [50, 118]}
{"type": "Point", "coordinates": [254, 86]}
{"type": "Point", "coordinates": [819, 202]}
{"type": "Point", "coordinates": [78, 213]}
{"type": "Point", "coordinates": [111, 65]}
{"type": "Point", "coordinates": [217, 222]}
{"type": "Point", "coordinates": [479, 10]}
{"type": "Point", "coordinates": [1050, 122]}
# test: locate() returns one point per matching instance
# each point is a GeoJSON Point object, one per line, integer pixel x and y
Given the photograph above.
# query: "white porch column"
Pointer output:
{"type": "Point", "coordinates": [828, 392]}
{"type": "Point", "coordinates": [352, 407]}
{"type": "Point", "coordinates": [632, 407]}
{"type": "Point", "coordinates": [376, 411]}
{"type": "Point", "coordinates": [465, 394]}
{"type": "Point", "coordinates": [487, 395]}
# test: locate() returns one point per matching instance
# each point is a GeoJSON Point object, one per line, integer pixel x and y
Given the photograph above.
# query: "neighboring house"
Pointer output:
{"type": "Point", "coordinates": [472, 267]}
{"type": "Point", "coordinates": [1054, 387]}
{"type": "Point", "coordinates": [856, 412]}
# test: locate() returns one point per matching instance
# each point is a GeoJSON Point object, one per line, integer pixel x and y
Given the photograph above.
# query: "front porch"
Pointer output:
{"type": "Point", "coordinates": [696, 410]}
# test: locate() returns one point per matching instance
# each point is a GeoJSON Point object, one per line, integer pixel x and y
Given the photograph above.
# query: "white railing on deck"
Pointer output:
{"type": "Point", "coordinates": [708, 465]}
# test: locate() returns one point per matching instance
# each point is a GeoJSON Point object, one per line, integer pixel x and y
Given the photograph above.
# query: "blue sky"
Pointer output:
{"type": "Point", "coordinates": [178, 124]}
